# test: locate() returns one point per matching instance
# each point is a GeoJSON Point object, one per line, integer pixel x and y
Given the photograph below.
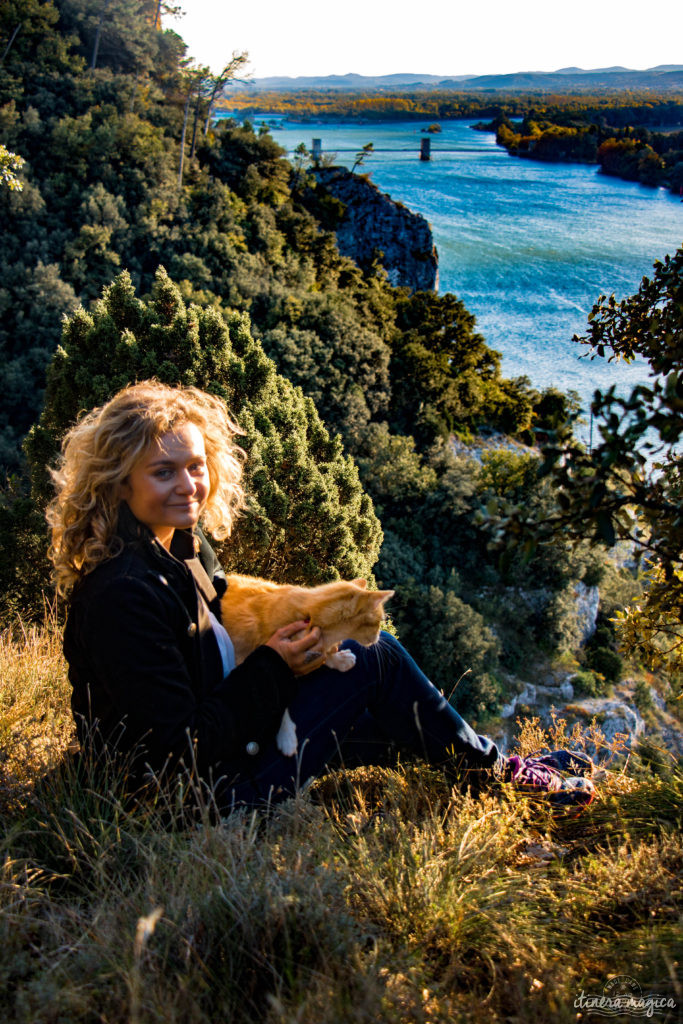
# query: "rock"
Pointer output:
{"type": "Point", "coordinates": [554, 699]}
{"type": "Point", "coordinates": [587, 603]}
{"type": "Point", "coordinates": [548, 694]}
{"type": "Point", "coordinates": [527, 696]}
{"type": "Point", "coordinates": [544, 852]}
{"type": "Point", "coordinates": [508, 710]}
{"type": "Point", "coordinates": [373, 222]}
{"type": "Point", "coordinates": [615, 716]}
{"type": "Point", "coordinates": [612, 717]}
{"type": "Point", "coordinates": [567, 690]}
{"type": "Point", "coordinates": [671, 740]}
{"type": "Point", "coordinates": [490, 442]}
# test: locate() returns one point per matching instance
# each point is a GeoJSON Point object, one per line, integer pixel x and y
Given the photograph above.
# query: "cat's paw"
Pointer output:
{"type": "Point", "coordinates": [341, 660]}
{"type": "Point", "coordinates": [286, 739]}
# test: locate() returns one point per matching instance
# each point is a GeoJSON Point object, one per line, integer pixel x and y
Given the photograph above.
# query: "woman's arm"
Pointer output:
{"type": "Point", "coordinates": [132, 640]}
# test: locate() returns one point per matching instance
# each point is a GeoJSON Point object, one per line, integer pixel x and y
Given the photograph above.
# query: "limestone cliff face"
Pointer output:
{"type": "Point", "coordinates": [373, 222]}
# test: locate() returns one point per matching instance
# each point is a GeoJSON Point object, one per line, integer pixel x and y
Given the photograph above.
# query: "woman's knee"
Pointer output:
{"type": "Point", "coordinates": [381, 657]}
{"type": "Point", "coordinates": [388, 644]}
{"type": "Point", "coordinates": [388, 639]}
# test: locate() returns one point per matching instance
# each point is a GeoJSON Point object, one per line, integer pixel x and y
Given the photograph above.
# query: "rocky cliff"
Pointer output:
{"type": "Point", "coordinates": [373, 223]}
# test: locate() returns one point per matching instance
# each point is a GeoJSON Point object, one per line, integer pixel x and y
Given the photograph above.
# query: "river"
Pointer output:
{"type": "Point", "coordinates": [527, 246]}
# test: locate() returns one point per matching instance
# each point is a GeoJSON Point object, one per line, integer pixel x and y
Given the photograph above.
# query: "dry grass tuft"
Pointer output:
{"type": "Point", "coordinates": [35, 720]}
{"type": "Point", "coordinates": [379, 894]}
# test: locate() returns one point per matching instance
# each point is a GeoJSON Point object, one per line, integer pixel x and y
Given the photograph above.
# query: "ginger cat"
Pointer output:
{"type": "Point", "coordinates": [253, 609]}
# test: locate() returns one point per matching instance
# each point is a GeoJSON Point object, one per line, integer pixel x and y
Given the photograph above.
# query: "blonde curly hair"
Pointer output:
{"type": "Point", "coordinates": [99, 452]}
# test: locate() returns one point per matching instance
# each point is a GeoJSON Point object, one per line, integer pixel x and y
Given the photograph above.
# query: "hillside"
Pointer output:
{"type": "Point", "coordinates": [383, 441]}
{"type": "Point", "coordinates": [377, 895]}
{"type": "Point", "coordinates": [124, 173]}
{"type": "Point", "coordinates": [568, 80]}
{"type": "Point", "coordinates": [630, 151]}
{"type": "Point", "coordinates": [241, 231]}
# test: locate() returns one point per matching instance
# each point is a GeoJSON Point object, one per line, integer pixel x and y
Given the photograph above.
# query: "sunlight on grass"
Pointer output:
{"type": "Point", "coordinates": [377, 894]}
{"type": "Point", "coordinates": [35, 718]}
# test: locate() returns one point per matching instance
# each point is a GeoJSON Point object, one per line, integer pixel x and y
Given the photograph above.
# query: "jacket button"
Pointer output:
{"type": "Point", "coordinates": [253, 748]}
{"type": "Point", "coordinates": [192, 629]}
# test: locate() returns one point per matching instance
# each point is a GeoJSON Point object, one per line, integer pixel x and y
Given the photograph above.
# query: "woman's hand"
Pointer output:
{"type": "Point", "coordinates": [300, 655]}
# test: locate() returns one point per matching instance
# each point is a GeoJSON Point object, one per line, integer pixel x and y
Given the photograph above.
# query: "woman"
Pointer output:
{"type": "Point", "coordinates": [151, 667]}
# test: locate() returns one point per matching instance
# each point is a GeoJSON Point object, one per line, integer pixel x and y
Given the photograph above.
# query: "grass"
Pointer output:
{"type": "Point", "coordinates": [377, 894]}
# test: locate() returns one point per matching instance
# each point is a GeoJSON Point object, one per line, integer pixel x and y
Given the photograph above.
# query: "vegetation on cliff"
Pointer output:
{"type": "Point", "coordinates": [241, 231]}
{"type": "Point", "coordinates": [636, 154]}
{"type": "Point", "coordinates": [380, 894]}
{"type": "Point", "coordinates": [613, 107]}
{"type": "Point", "coordinates": [308, 519]}
{"type": "Point", "coordinates": [627, 487]}
{"type": "Point", "coordinates": [617, 129]}
{"type": "Point", "coordinates": [132, 181]}
{"type": "Point", "coordinates": [124, 171]}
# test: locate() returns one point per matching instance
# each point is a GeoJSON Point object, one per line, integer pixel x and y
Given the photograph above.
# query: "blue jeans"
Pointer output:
{"type": "Point", "coordinates": [353, 718]}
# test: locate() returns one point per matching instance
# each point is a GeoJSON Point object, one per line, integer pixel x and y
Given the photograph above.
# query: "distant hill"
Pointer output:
{"type": "Point", "coordinates": [584, 71]}
{"type": "Point", "coordinates": [664, 77]}
{"type": "Point", "coordinates": [351, 81]}
{"type": "Point", "coordinates": [577, 80]}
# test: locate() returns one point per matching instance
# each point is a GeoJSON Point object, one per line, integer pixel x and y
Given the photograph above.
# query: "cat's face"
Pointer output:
{"type": "Point", "coordinates": [356, 613]}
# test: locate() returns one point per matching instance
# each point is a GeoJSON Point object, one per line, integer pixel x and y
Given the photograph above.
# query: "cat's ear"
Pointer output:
{"type": "Point", "coordinates": [361, 583]}
{"type": "Point", "coordinates": [380, 596]}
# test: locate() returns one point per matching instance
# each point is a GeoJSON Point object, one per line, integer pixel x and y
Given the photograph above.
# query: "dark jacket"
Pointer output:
{"type": "Point", "coordinates": [145, 666]}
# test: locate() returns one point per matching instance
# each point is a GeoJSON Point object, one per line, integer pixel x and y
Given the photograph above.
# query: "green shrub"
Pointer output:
{"type": "Point", "coordinates": [642, 697]}
{"type": "Point", "coordinates": [309, 519]}
{"type": "Point", "coordinates": [24, 568]}
{"type": "Point", "coordinates": [585, 684]}
{"type": "Point", "coordinates": [605, 661]}
{"type": "Point", "coordinates": [602, 637]}
{"type": "Point", "coordinates": [458, 652]}
{"type": "Point", "coordinates": [595, 572]}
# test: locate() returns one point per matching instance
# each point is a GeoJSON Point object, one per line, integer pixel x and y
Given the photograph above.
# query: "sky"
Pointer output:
{"type": "Point", "coordinates": [436, 37]}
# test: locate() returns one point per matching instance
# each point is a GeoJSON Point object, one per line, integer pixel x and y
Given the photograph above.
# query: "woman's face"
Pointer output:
{"type": "Point", "coordinates": [167, 488]}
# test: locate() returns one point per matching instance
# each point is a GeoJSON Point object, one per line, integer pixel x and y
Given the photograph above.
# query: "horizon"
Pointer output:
{"type": "Point", "coordinates": [430, 74]}
{"type": "Point", "coordinates": [373, 39]}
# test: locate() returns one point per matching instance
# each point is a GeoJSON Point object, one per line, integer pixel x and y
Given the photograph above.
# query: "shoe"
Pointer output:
{"type": "Point", "coordinates": [571, 761]}
{"type": "Point", "coordinates": [565, 794]}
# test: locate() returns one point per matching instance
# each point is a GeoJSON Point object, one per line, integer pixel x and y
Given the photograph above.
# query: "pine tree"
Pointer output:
{"type": "Point", "coordinates": [308, 519]}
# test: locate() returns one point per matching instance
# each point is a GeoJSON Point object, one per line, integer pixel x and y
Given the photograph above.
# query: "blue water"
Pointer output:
{"type": "Point", "coordinates": [527, 246]}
